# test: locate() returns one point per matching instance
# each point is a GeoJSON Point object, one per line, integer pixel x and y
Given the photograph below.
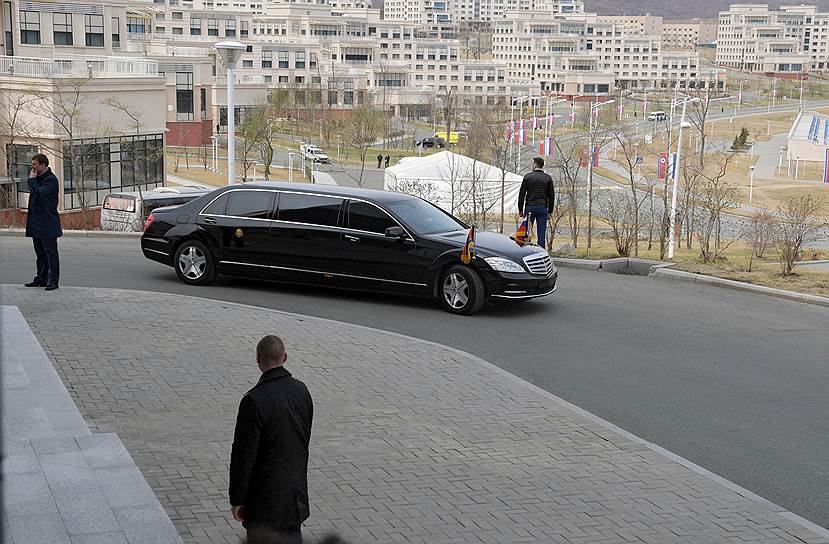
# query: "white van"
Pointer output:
{"type": "Point", "coordinates": [127, 211]}
{"type": "Point", "coordinates": [657, 116]}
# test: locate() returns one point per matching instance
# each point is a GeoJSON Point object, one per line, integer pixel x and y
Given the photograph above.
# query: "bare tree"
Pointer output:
{"type": "Point", "coordinates": [761, 232]}
{"type": "Point", "coordinates": [361, 128]}
{"type": "Point", "coordinates": [456, 175]}
{"type": "Point", "coordinates": [716, 195]}
{"type": "Point", "coordinates": [619, 210]}
{"type": "Point", "coordinates": [568, 161]}
{"type": "Point", "coordinates": [12, 109]}
{"type": "Point", "coordinates": [640, 190]}
{"type": "Point", "coordinates": [420, 188]}
{"type": "Point", "coordinates": [599, 133]}
{"type": "Point", "coordinates": [65, 103]}
{"type": "Point", "coordinates": [253, 131]}
{"type": "Point", "coordinates": [797, 224]}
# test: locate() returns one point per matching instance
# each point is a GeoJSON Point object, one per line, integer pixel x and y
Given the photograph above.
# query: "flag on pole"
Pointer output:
{"type": "Point", "coordinates": [510, 129]}
{"type": "Point", "coordinates": [826, 166]}
{"type": "Point", "coordinates": [468, 251]}
{"type": "Point", "coordinates": [545, 146]}
{"type": "Point", "coordinates": [572, 117]}
{"type": "Point", "coordinates": [595, 156]}
{"type": "Point", "coordinates": [662, 167]}
{"type": "Point", "coordinates": [523, 232]}
{"type": "Point", "coordinates": [584, 154]}
{"type": "Point", "coordinates": [534, 122]}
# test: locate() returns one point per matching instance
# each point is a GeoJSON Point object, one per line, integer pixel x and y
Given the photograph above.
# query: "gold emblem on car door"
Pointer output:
{"type": "Point", "coordinates": [239, 233]}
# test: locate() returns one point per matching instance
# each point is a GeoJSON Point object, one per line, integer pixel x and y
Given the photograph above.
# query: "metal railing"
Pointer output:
{"type": "Point", "coordinates": [78, 67]}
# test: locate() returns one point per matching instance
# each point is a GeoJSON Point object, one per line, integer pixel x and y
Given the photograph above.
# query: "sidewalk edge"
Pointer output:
{"type": "Point", "coordinates": [791, 516]}
{"type": "Point", "coordinates": [79, 233]}
{"type": "Point", "coordinates": [680, 275]}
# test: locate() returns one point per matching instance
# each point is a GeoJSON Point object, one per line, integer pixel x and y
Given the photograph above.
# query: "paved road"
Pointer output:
{"type": "Point", "coordinates": [735, 383]}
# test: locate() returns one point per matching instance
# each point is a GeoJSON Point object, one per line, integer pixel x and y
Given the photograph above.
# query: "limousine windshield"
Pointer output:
{"type": "Point", "coordinates": [425, 218]}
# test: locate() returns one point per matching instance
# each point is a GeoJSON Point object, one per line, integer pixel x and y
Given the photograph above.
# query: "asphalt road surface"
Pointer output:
{"type": "Point", "coordinates": [737, 383]}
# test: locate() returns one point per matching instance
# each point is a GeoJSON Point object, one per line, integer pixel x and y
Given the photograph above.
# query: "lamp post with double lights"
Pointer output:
{"type": "Point", "coordinates": [230, 52]}
{"type": "Point", "coordinates": [594, 110]}
{"type": "Point", "coordinates": [801, 78]}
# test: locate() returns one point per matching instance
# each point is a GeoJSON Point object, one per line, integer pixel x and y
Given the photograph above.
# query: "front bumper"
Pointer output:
{"type": "Point", "coordinates": [519, 286]}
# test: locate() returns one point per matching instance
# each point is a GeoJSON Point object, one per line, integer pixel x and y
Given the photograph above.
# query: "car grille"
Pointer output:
{"type": "Point", "coordinates": [539, 263]}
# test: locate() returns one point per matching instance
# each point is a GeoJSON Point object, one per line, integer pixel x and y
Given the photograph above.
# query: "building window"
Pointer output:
{"type": "Point", "coordinates": [299, 59]}
{"type": "Point", "coordinates": [94, 25]}
{"type": "Point", "coordinates": [212, 27]}
{"type": "Point", "coordinates": [267, 59]}
{"type": "Point", "coordinates": [203, 102]}
{"type": "Point", "coordinates": [90, 173]}
{"type": "Point", "coordinates": [195, 26]}
{"type": "Point", "coordinates": [283, 59]}
{"type": "Point", "coordinates": [7, 24]}
{"type": "Point", "coordinates": [20, 164]}
{"type": "Point", "coordinates": [230, 28]}
{"type": "Point", "coordinates": [63, 28]}
{"type": "Point", "coordinates": [243, 29]}
{"type": "Point", "coordinates": [247, 64]}
{"type": "Point", "coordinates": [142, 160]}
{"type": "Point", "coordinates": [178, 30]}
{"type": "Point", "coordinates": [136, 25]}
{"type": "Point", "coordinates": [178, 16]}
{"type": "Point", "coordinates": [184, 96]}
{"type": "Point", "coordinates": [30, 27]}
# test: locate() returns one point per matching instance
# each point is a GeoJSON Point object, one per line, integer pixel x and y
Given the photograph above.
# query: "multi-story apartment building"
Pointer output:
{"type": "Point", "coordinates": [584, 56]}
{"type": "Point", "coordinates": [645, 25]}
{"type": "Point", "coordinates": [784, 42]}
{"type": "Point", "coordinates": [70, 89]}
{"type": "Point", "coordinates": [458, 11]}
{"type": "Point", "coordinates": [688, 34]}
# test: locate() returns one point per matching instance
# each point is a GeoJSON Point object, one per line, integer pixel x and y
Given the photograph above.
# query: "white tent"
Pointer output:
{"type": "Point", "coordinates": [454, 182]}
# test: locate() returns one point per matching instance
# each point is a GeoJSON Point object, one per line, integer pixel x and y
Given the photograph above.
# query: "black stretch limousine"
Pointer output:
{"type": "Point", "coordinates": [342, 237]}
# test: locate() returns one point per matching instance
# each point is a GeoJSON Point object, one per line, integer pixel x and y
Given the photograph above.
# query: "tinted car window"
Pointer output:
{"type": "Point", "coordinates": [218, 206]}
{"type": "Point", "coordinates": [252, 204]}
{"type": "Point", "coordinates": [424, 217]}
{"type": "Point", "coordinates": [316, 210]}
{"type": "Point", "coordinates": [368, 217]}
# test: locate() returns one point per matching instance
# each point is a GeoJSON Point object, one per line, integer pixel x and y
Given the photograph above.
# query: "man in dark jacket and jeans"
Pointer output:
{"type": "Point", "coordinates": [269, 460]}
{"type": "Point", "coordinates": [43, 222]}
{"type": "Point", "coordinates": [537, 198]}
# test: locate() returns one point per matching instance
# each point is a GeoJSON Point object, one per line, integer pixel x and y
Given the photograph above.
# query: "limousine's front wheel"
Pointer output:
{"type": "Point", "coordinates": [461, 290]}
{"type": "Point", "coordinates": [194, 263]}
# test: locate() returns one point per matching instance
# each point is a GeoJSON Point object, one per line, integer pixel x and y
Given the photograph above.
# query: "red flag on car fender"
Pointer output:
{"type": "Point", "coordinates": [523, 232]}
{"type": "Point", "coordinates": [469, 247]}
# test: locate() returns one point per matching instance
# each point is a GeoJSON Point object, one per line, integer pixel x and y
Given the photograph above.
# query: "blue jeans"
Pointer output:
{"type": "Point", "coordinates": [540, 215]}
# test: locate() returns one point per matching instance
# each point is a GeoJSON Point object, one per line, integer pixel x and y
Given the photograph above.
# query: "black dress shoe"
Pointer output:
{"type": "Point", "coordinates": [51, 287]}
{"type": "Point", "coordinates": [34, 284]}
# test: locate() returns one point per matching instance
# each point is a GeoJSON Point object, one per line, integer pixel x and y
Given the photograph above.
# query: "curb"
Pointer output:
{"type": "Point", "coordinates": [779, 510]}
{"type": "Point", "coordinates": [679, 275]}
{"type": "Point", "coordinates": [79, 233]}
{"type": "Point", "coordinates": [616, 265]}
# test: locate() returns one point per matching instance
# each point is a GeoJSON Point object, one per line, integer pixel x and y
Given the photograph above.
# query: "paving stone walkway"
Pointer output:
{"type": "Point", "coordinates": [63, 484]}
{"type": "Point", "coordinates": [412, 442]}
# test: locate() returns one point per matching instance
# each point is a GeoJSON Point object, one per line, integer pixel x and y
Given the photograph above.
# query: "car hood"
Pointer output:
{"type": "Point", "coordinates": [488, 244]}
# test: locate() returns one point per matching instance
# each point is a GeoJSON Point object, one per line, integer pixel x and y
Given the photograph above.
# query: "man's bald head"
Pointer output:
{"type": "Point", "coordinates": [270, 352]}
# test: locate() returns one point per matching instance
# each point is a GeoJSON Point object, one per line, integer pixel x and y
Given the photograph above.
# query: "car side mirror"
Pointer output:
{"type": "Point", "coordinates": [396, 232]}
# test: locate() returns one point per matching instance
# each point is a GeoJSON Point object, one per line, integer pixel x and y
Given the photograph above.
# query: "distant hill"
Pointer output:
{"type": "Point", "coordinates": [670, 9]}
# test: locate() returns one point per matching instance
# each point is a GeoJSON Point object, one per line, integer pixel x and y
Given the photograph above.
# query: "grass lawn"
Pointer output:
{"type": "Point", "coordinates": [734, 265]}
{"type": "Point", "coordinates": [197, 172]}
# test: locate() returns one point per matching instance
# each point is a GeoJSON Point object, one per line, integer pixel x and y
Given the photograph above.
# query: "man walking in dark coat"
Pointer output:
{"type": "Point", "coordinates": [379, 161]}
{"type": "Point", "coordinates": [43, 222]}
{"type": "Point", "coordinates": [537, 198]}
{"type": "Point", "coordinates": [269, 460]}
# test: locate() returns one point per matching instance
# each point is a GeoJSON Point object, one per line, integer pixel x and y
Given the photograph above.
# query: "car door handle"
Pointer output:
{"type": "Point", "coordinates": [209, 220]}
{"type": "Point", "coordinates": [353, 239]}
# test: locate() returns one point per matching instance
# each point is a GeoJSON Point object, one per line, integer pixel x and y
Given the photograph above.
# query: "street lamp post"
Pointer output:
{"type": "Point", "coordinates": [230, 52]}
{"type": "Point", "coordinates": [291, 166]}
{"type": "Point", "coordinates": [801, 92]}
{"type": "Point", "coordinates": [594, 109]}
{"type": "Point", "coordinates": [750, 183]}
{"type": "Point", "coordinates": [214, 161]}
{"type": "Point", "coordinates": [672, 232]}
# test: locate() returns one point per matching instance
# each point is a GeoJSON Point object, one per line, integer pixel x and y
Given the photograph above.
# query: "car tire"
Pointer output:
{"type": "Point", "coordinates": [194, 263]}
{"type": "Point", "coordinates": [461, 290]}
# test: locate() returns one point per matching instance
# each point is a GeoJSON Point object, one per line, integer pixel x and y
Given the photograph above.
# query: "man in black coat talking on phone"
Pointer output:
{"type": "Point", "coordinates": [269, 460]}
{"type": "Point", "coordinates": [43, 222]}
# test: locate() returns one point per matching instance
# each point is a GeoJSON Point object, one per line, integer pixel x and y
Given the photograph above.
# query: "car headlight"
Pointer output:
{"type": "Point", "coordinates": [504, 265]}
